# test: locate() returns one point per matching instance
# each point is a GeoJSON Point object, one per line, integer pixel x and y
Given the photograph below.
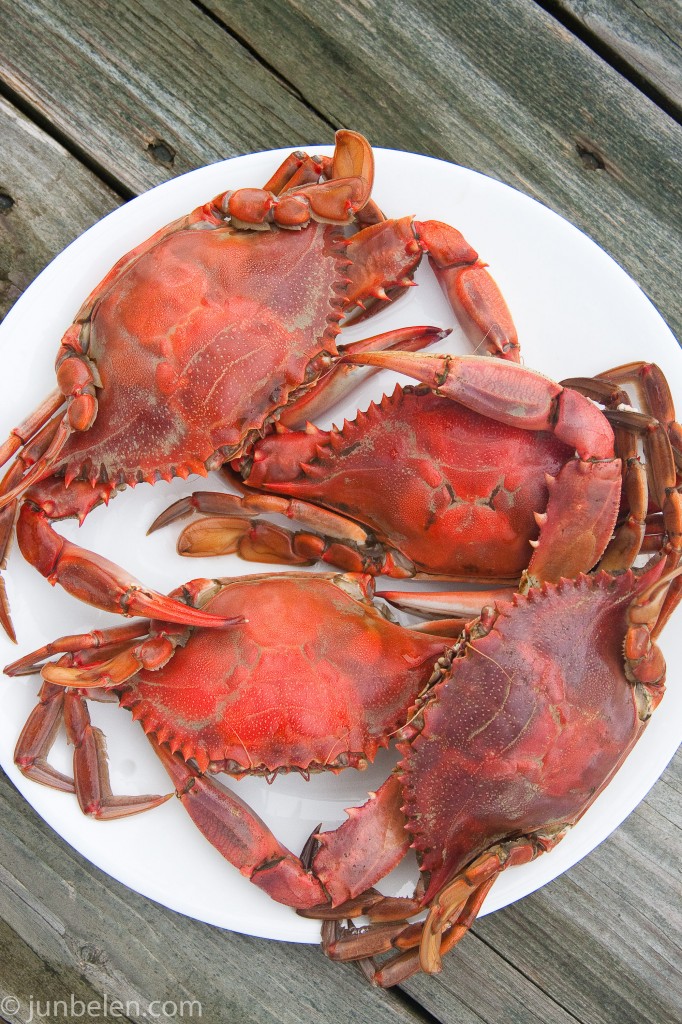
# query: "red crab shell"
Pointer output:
{"type": "Point", "coordinates": [528, 727]}
{"type": "Point", "coordinates": [428, 477]}
{"type": "Point", "coordinates": [195, 301]}
{"type": "Point", "coordinates": [316, 678]}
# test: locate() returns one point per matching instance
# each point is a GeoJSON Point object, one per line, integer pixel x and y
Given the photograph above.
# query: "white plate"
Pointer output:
{"type": "Point", "coordinates": [577, 313]}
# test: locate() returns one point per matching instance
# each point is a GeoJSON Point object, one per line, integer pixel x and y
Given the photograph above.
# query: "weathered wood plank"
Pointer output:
{"type": "Point", "coordinates": [646, 36]}
{"type": "Point", "coordinates": [46, 200]}
{"type": "Point", "coordinates": [428, 77]}
{"type": "Point", "coordinates": [506, 90]}
{"type": "Point", "coordinates": [146, 90]}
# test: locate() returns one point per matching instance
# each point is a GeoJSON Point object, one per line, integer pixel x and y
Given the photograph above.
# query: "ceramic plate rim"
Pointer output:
{"type": "Point", "coordinates": [115, 231]}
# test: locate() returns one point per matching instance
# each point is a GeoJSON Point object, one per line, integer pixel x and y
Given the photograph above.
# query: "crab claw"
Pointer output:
{"type": "Point", "coordinates": [152, 605]}
{"type": "Point", "coordinates": [98, 581]}
{"type": "Point", "coordinates": [353, 158]}
{"type": "Point", "coordinates": [508, 393]}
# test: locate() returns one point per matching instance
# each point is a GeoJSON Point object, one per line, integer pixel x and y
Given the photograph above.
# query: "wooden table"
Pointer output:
{"type": "Point", "coordinates": [575, 102]}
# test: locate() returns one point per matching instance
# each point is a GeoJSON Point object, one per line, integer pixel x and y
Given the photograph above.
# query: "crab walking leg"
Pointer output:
{"type": "Point", "coordinates": [90, 781]}
{"type": "Point", "coordinates": [362, 944]}
{"type": "Point", "coordinates": [225, 530]}
{"type": "Point", "coordinates": [662, 440]}
{"type": "Point", "coordinates": [80, 646]}
{"type": "Point", "coordinates": [656, 397]}
{"type": "Point", "coordinates": [88, 576]}
{"type": "Point", "coordinates": [96, 659]}
{"type": "Point", "coordinates": [462, 604]}
{"type": "Point", "coordinates": [38, 736]}
{"type": "Point", "coordinates": [228, 525]}
{"type": "Point", "coordinates": [78, 379]}
{"type": "Point", "coordinates": [241, 836]}
{"type": "Point", "coordinates": [473, 294]}
{"type": "Point", "coordinates": [296, 169]}
{"type": "Point", "coordinates": [26, 431]}
{"type": "Point", "coordinates": [32, 451]}
{"type": "Point", "coordinates": [660, 434]}
{"type": "Point", "coordinates": [56, 706]}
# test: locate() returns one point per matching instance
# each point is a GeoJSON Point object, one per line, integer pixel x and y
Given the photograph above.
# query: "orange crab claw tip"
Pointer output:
{"type": "Point", "coordinates": [158, 606]}
{"type": "Point", "coordinates": [178, 510]}
{"type": "Point", "coordinates": [5, 617]}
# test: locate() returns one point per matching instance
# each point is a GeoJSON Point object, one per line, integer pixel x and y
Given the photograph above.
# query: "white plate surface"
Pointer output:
{"type": "Point", "coordinates": [577, 313]}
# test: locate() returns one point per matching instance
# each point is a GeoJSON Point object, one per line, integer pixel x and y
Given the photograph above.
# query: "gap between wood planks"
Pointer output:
{"type": "Point", "coordinates": [65, 141]}
{"type": "Point", "coordinates": [611, 57]}
{"type": "Point", "coordinates": [569, 21]}
{"type": "Point", "coordinates": [289, 86]}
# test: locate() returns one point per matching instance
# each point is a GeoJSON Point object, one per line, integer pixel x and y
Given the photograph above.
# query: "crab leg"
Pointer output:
{"type": "Point", "coordinates": [385, 255]}
{"type": "Point", "coordinates": [463, 604]}
{"type": "Point", "coordinates": [473, 294]}
{"type": "Point", "coordinates": [91, 774]}
{"type": "Point", "coordinates": [78, 378]}
{"type": "Point", "coordinates": [22, 434]}
{"type": "Point", "coordinates": [37, 737]}
{"type": "Point", "coordinates": [90, 577]}
{"type": "Point", "coordinates": [454, 909]}
{"type": "Point", "coordinates": [296, 169]}
{"type": "Point", "coordinates": [225, 530]}
{"type": "Point", "coordinates": [241, 836]}
{"type": "Point", "coordinates": [662, 440]}
{"type": "Point", "coordinates": [656, 397]}
{"type": "Point", "coordinates": [32, 451]}
{"type": "Point", "coordinates": [77, 644]}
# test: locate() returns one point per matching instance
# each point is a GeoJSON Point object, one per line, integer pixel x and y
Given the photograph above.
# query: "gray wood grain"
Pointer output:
{"type": "Point", "coordinates": [505, 90]}
{"type": "Point", "coordinates": [46, 200]}
{"type": "Point", "coordinates": [645, 35]}
{"type": "Point", "coordinates": [146, 90]}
